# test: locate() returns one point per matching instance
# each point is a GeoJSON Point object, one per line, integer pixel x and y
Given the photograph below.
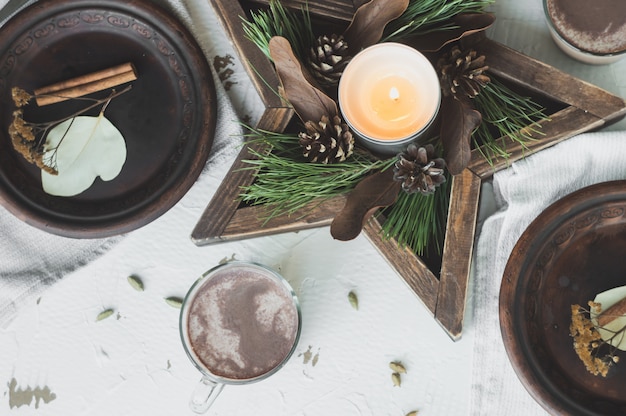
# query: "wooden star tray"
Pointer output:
{"type": "Point", "coordinates": [574, 107]}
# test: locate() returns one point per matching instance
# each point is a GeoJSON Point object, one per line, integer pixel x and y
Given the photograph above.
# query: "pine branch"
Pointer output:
{"type": "Point", "coordinates": [286, 182]}
{"type": "Point", "coordinates": [278, 21]}
{"type": "Point", "coordinates": [512, 117]}
{"type": "Point", "coordinates": [425, 16]}
{"type": "Point", "coordinates": [418, 221]}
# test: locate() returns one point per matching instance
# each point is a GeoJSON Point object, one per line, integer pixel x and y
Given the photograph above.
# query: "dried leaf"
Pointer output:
{"type": "Point", "coordinates": [309, 102]}
{"type": "Point", "coordinates": [375, 191]}
{"type": "Point", "coordinates": [468, 24]}
{"type": "Point", "coordinates": [369, 22]}
{"type": "Point", "coordinates": [458, 121]}
{"type": "Point", "coordinates": [86, 147]}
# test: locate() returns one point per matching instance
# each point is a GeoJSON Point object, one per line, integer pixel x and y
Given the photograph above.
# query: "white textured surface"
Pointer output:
{"type": "Point", "coordinates": [133, 363]}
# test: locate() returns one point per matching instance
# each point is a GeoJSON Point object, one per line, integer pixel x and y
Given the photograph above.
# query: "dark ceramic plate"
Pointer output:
{"type": "Point", "coordinates": [167, 119]}
{"type": "Point", "coordinates": [575, 249]}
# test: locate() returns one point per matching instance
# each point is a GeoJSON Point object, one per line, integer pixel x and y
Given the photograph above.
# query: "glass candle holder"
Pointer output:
{"type": "Point", "coordinates": [389, 95]}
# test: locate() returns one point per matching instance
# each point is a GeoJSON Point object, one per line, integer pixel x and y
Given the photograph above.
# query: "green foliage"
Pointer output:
{"type": "Point", "coordinates": [418, 221]}
{"type": "Point", "coordinates": [279, 21]}
{"type": "Point", "coordinates": [426, 16]}
{"type": "Point", "coordinates": [287, 182]}
{"type": "Point", "coordinates": [507, 118]}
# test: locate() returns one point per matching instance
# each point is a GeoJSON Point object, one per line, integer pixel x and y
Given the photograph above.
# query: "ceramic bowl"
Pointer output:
{"type": "Point", "coordinates": [557, 31]}
{"type": "Point", "coordinates": [572, 251]}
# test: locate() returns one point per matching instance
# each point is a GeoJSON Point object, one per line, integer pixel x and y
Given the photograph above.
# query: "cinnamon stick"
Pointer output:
{"type": "Point", "coordinates": [85, 84]}
{"type": "Point", "coordinates": [616, 310]}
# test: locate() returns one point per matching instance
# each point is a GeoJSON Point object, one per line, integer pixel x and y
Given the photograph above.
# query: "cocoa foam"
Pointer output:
{"type": "Point", "coordinates": [597, 26]}
{"type": "Point", "coordinates": [242, 323]}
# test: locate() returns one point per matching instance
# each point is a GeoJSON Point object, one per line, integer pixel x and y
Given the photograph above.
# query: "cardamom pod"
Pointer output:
{"type": "Point", "coordinates": [395, 377]}
{"type": "Point", "coordinates": [135, 282]}
{"type": "Point", "coordinates": [354, 300]}
{"type": "Point", "coordinates": [174, 302]}
{"type": "Point", "coordinates": [397, 367]}
{"type": "Point", "coordinates": [104, 314]}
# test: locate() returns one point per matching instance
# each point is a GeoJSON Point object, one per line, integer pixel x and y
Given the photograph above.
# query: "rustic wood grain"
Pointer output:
{"type": "Point", "coordinates": [334, 10]}
{"type": "Point", "coordinates": [584, 107]}
{"type": "Point", "coordinates": [276, 116]}
{"type": "Point", "coordinates": [259, 68]}
{"type": "Point", "coordinates": [253, 221]}
{"type": "Point", "coordinates": [540, 77]}
{"type": "Point", "coordinates": [419, 278]}
{"type": "Point", "coordinates": [216, 217]}
{"type": "Point", "coordinates": [457, 252]}
{"type": "Point", "coordinates": [561, 126]}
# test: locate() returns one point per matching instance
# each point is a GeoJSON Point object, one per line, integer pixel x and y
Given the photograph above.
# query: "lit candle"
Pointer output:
{"type": "Point", "coordinates": [389, 95]}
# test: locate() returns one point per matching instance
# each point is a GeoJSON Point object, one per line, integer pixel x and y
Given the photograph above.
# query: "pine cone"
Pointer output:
{"type": "Point", "coordinates": [462, 73]}
{"type": "Point", "coordinates": [419, 170]}
{"type": "Point", "coordinates": [325, 141]}
{"type": "Point", "coordinates": [328, 58]}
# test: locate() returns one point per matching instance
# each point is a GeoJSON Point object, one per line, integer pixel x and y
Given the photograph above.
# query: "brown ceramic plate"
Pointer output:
{"type": "Point", "coordinates": [575, 249]}
{"type": "Point", "coordinates": [167, 119]}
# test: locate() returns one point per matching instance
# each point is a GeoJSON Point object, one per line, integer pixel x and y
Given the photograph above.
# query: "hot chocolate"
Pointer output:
{"type": "Point", "coordinates": [597, 26]}
{"type": "Point", "coordinates": [242, 322]}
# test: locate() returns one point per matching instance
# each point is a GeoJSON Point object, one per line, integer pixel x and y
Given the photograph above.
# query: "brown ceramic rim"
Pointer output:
{"type": "Point", "coordinates": [557, 32]}
{"type": "Point", "coordinates": [183, 319]}
{"type": "Point", "coordinates": [606, 200]}
{"type": "Point", "coordinates": [168, 119]}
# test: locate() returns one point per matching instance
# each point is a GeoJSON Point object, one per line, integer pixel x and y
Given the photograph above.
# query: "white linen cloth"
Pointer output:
{"type": "Point", "coordinates": [521, 193]}
{"type": "Point", "coordinates": [31, 259]}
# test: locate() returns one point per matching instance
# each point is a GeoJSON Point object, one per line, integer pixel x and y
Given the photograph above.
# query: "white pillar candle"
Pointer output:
{"type": "Point", "coordinates": [389, 95]}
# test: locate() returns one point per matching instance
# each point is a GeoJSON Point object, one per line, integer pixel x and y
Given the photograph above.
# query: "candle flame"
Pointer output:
{"type": "Point", "coordinates": [394, 94]}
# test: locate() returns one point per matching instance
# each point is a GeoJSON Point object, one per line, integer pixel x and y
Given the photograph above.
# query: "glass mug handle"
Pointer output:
{"type": "Point", "coordinates": [204, 395]}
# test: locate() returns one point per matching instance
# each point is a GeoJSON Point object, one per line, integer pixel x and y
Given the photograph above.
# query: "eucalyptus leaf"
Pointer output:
{"type": "Point", "coordinates": [82, 149]}
{"type": "Point", "coordinates": [607, 332]}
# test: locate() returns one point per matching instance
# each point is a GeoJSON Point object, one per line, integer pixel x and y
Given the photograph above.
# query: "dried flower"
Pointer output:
{"type": "Point", "coordinates": [596, 354]}
{"type": "Point", "coordinates": [20, 97]}
{"type": "Point", "coordinates": [29, 138]}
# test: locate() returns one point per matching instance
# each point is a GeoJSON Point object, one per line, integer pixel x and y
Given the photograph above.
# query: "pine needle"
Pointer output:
{"type": "Point", "coordinates": [279, 21]}
{"type": "Point", "coordinates": [286, 182]}
{"type": "Point", "coordinates": [512, 117]}
{"type": "Point", "coordinates": [425, 16]}
{"type": "Point", "coordinates": [418, 221]}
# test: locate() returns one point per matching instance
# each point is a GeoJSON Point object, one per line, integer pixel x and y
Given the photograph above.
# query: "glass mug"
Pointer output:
{"type": "Point", "coordinates": [239, 323]}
